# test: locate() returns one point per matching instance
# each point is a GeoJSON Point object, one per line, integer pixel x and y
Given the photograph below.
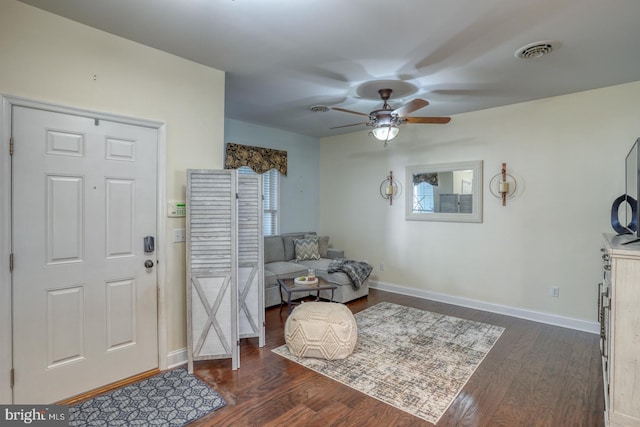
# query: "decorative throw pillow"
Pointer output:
{"type": "Point", "coordinates": [306, 249]}
{"type": "Point", "coordinates": [323, 244]}
{"type": "Point", "coordinates": [289, 246]}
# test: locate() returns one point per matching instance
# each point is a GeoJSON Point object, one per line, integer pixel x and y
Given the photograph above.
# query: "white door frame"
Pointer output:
{"type": "Point", "coordinates": [6, 341]}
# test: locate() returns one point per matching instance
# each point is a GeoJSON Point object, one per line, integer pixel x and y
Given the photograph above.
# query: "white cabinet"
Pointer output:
{"type": "Point", "coordinates": [619, 315]}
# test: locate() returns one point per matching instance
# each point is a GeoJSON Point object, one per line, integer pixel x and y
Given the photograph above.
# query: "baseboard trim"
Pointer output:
{"type": "Point", "coordinates": [109, 387]}
{"type": "Point", "coordinates": [536, 316]}
{"type": "Point", "coordinates": [177, 358]}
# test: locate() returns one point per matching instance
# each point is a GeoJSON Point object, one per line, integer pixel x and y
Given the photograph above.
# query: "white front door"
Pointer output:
{"type": "Point", "coordinates": [84, 304]}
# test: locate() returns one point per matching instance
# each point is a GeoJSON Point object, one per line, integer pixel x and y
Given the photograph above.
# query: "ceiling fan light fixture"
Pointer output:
{"type": "Point", "coordinates": [385, 132]}
{"type": "Point", "coordinates": [385, 121]}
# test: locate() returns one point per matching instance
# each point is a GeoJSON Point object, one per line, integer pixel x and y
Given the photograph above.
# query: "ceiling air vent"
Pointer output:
{"type": "Point", "coordinates": [319, 108]}
{"type": "Point", "coordinates": [535, 50]}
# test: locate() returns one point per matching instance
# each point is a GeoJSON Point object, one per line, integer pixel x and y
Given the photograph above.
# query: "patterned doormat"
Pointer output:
{"type": "Point", "coordinates": [414, 360]}
{"type": "Point", "coordinates": [172, 398]}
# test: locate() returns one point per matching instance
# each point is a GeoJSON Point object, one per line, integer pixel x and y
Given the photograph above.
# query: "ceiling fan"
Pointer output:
{"type": "Point", "coordinates": [385, 121]}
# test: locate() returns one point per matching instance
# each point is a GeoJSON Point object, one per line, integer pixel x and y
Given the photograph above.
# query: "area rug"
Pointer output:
{"type": "Point", "coordinates": [172, 398]}
{"type": "Point", "coordinates": [414, 360]}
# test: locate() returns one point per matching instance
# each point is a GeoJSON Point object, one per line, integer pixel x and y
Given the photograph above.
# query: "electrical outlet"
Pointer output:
{"type": "Point", "coordinates": [179, 235]}
{"type": "Point", "coordinates": [555, 292]}
{"type": "Point", "coordinates": [381, 266]}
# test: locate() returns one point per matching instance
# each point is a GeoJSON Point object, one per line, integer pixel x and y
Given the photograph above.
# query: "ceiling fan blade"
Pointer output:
{"type": "Point", "coordinates": [432, 120]}
{"type": "Point", "coordinates": [349, 111]}
{"type": "Point", "coordinates": [345, 126]}
{"type": "Point", "coordinates": [410, 107]}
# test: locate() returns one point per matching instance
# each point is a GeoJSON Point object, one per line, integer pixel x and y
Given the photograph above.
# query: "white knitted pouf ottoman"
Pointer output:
{"type": "Point", "coordinates": [321, 329]}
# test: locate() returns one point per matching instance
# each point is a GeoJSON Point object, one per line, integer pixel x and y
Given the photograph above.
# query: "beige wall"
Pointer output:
{"type": "Point", "coordinates": [52, 59]}
{"type": "Point", "coordinates": [568, 155]}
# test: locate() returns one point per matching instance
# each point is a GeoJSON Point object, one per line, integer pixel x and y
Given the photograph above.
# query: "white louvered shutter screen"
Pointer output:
{"type": "Point", "coordinates": [211, 248]}
{"type": "Point", "coordinates": [250, 258]}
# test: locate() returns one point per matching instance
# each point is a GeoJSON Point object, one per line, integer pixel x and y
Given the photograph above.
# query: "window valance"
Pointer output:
{"type": "Point", "coordinates": [259, 159]}
{"type": "Point", "coordinates": [429, 178]}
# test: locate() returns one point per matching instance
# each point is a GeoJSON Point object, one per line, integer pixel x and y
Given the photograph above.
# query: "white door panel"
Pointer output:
{"type": "Point", "coordinates": [85, 307]}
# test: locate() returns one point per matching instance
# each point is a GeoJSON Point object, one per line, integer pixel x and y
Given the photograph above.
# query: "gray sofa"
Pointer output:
{"type": "Point", "coordinates": [280, 263]}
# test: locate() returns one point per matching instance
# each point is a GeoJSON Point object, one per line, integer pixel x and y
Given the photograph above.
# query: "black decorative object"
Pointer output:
{"type": "Point", "coordinates": [615, 221]}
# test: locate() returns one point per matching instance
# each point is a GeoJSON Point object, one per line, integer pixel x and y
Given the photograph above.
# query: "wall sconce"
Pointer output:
{"type": "Point", "coordinates": [389, 188]}
{"type": "Point", "coordinates": [503, 185]}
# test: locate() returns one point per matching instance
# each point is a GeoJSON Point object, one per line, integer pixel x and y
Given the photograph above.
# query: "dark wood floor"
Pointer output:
{"type": "Point", "coordinates": [535, 375]}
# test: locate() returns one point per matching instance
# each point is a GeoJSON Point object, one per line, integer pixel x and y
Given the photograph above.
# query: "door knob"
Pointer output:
{"type": "Point", "coordinates": [148, 263]}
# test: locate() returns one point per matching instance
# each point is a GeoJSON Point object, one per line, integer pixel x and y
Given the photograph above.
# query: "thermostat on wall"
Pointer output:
{"type": "Point", "coordinates": [176, 209]}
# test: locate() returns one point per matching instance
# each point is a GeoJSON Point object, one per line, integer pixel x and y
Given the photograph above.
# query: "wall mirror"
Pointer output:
{"type": "Point", "coordinates": [444, 192]}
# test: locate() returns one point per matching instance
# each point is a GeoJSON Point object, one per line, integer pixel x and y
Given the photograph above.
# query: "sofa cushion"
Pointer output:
{"type": "Point", "coordinates": [285, 270]}
{"type": "Point", "coordinates": [334, 253]}
{"type": "Point", "coordinates": [323, 244]}
{"type": "Point", "coordinates": [270, 279]}
{"type": "Point", "coordinates": [306, 249]}
{"type": "Point", "coordinates": [289, 248]}
{"type": "Point", "coordinates": [321, 266]}
{"type": "Point", "coordinates": [273, 249]}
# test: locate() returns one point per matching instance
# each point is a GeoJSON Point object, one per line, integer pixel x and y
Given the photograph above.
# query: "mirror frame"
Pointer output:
{"type": "Point", "coordinates": [476, 189]}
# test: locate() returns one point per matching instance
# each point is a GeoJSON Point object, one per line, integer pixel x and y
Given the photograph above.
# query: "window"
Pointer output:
{"type": "Point", "coordinates": [270, 194]}
{"type": "Point", "coordinates": [271, 190]}
{"type": "Point", "coordinates": [423, 197]}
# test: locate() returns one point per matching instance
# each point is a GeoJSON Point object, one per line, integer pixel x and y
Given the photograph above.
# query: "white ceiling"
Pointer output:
{"type": "Point", "coordinates": [283, 56]}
